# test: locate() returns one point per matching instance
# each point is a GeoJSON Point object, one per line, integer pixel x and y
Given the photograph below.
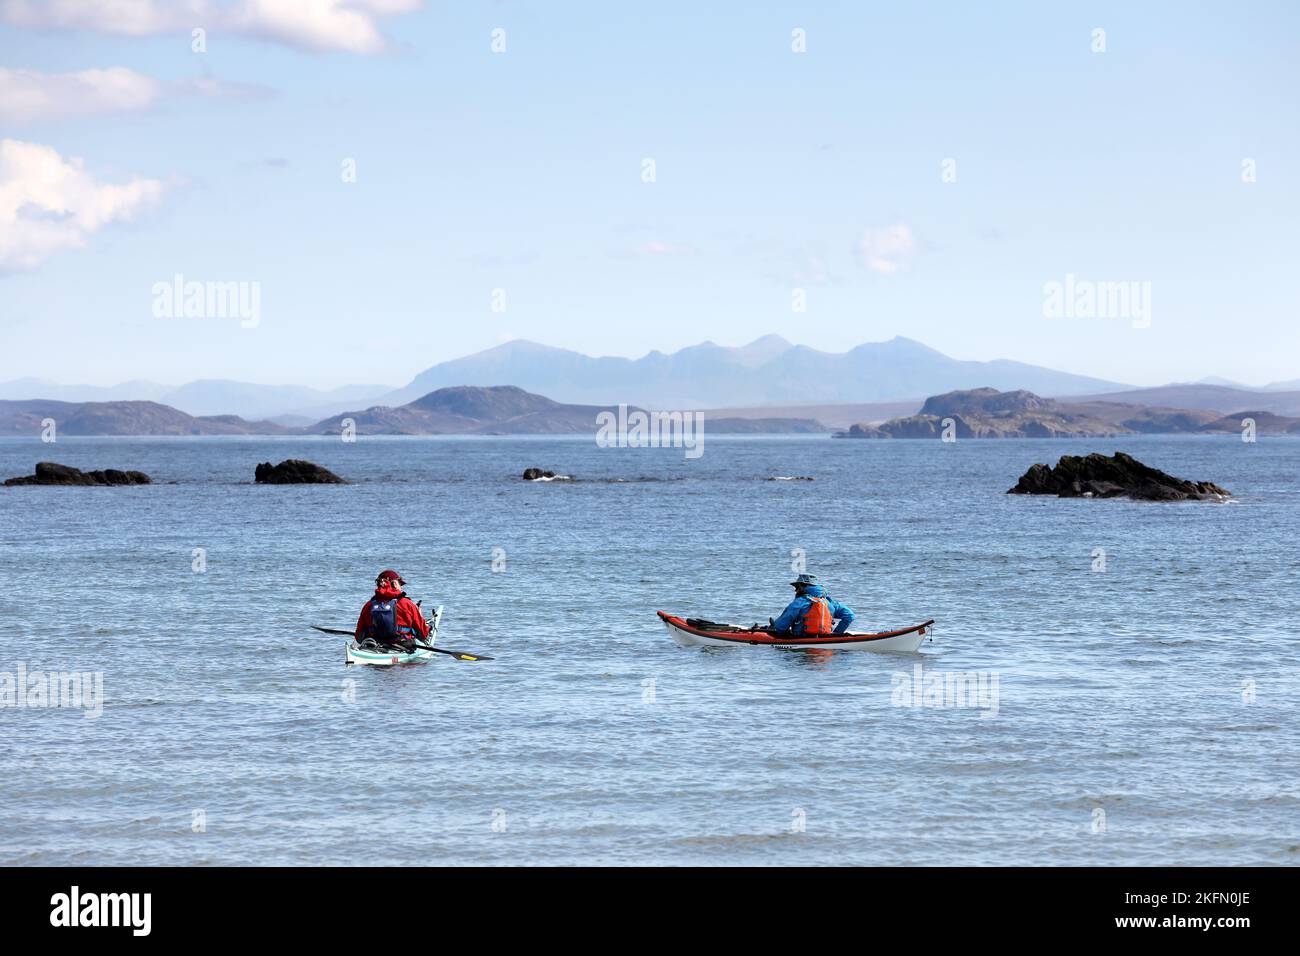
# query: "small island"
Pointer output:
{"type": "Point", "coordinates": [1119, 476]}
{"type": "Point", "coordinates": [988, 413]}
{"type": "Point", "coordinates": [51, 473]}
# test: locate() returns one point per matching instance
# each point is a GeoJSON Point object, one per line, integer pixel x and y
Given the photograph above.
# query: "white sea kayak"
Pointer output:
{"type": "Point", "coordinates": [389, 656]}
{"type": "Point", "coordinates": [386, 657]}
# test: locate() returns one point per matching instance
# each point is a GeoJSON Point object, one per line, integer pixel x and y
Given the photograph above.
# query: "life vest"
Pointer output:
{"type": "Point", "coordinates": [383, 620]}
{"type": "Point", "coordinates": [817, 619]}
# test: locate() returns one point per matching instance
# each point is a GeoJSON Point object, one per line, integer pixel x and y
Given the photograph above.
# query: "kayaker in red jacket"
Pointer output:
{"type": "Point", "coordinates": [391, 618]}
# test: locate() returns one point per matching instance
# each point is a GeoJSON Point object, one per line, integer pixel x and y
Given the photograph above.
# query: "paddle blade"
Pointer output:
{"type": "Point", "coordinates": [331, 630]}
{"type": "Point", "coordinates": [459, 655]}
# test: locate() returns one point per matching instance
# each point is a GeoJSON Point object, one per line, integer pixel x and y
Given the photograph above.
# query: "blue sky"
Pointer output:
{"type": "Point", "coordinates": [522, 171]}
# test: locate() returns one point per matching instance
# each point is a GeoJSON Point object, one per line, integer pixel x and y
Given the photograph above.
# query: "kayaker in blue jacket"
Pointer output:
{"type": "Point", "coordinates": [813, 610]}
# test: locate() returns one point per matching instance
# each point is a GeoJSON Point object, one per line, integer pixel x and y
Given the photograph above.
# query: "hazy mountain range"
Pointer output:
{"type": "Point", "coordinates": [509, 410]}
{"type": "Point", "coordinates": [26, 418]}
{"type": "Point", "coordinates": [768, 372]}
{"type": "Point", "coordinates": [461, 410]}
{"type": "Point", "coordinates": [208, 397]}
{"type": "Point", "coordinates": [1217, 398]}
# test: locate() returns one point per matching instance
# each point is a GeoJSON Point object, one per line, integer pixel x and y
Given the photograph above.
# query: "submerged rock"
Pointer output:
{"type": "Point", "coordinates": [51, 473]}
{"type": "Point", "coordinates": [535, 474]}
{"type": "Point", "coordinates": [295, 471]}
{"type": "Point", "coordinates": [1099, 476]}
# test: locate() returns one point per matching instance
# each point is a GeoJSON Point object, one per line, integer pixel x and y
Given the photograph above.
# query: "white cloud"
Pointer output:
{"type": "Point", "coordinates": [28, 96]}
{"type": "Point", "coordinates": [49, 204]}
{"type": "Point", "coordinates": [220, 89]}
{"type": "Point", "coordinates": [130, 17]}
{"type": "Point", "coordinates": [349, 25]}
{"type": "Point", "coordinates": [319, 24]}
{"type": "Point", "coordinates": [886, 249]}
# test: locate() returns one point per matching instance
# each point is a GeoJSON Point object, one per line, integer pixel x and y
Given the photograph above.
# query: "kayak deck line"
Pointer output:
{"type": "Point", "coordinates": [698, 633]}
{"type": "Point", "coordinates": [385, 657]}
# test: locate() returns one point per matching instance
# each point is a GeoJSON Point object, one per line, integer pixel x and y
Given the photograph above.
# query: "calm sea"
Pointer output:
{"type": "Point", "coordinates": [1132, 666]}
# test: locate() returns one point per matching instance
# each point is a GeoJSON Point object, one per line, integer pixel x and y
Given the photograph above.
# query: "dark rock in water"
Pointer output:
{"type": "Point", "coordinates": [532, 474]}
{"type": "Point", "coordinates": [1098, 476]}
{"type": "Point", "coordinates": [295, 471]}
{"type": "Point", "coordinates": [50, 473]}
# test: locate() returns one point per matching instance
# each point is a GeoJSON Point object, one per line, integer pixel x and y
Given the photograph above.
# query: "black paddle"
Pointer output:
{"type": "Point", "coordinates": [459, 655]}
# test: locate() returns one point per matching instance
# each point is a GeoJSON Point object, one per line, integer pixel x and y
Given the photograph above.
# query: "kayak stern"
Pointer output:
{"type": "Point", "coordinates": [380, 657]}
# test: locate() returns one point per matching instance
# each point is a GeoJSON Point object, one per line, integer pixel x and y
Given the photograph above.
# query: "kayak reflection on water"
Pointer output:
{"type": "Point", "coordinates": [390, 618]}
{"type": "Point", "coordinates": [815, 657]}
{"type": "Point", "coordinates": [812, 610]}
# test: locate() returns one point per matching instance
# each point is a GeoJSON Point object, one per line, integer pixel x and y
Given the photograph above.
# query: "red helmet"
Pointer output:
{"type": "Point", "coordinates": [390, 574]}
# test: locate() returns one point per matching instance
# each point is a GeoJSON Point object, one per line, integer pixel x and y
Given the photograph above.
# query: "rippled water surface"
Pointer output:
{"type": "Point", "coordinates": [1144, 714]}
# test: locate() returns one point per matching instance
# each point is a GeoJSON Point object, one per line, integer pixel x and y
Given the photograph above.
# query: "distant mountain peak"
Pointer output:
{"type": "Point", "coordinates": [522, 345]}
{"type": "Point", "coordinates": [482, 402]}
{"type": "Point", "coordinates": [901, 343]}
{"type": "Point", "coordinates": [1219, 380]}
{"type": "Point", "coordinates": [763, 349]}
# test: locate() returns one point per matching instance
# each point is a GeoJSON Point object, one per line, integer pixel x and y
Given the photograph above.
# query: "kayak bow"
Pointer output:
{"type": "Point", "coordinates": [697, 633]}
